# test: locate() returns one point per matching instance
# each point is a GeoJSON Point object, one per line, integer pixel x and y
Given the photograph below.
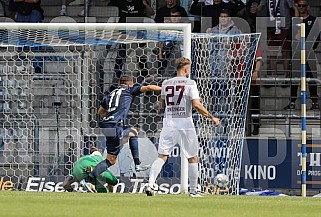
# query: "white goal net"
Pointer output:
{"type": "Point", "coordinates": [52, 77]}
{"type": "Point", "coordinates": [222, 68]}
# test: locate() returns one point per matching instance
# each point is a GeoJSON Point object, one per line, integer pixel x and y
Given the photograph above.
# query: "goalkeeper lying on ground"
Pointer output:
{"type": "Point", "coordinates": [84, 166]}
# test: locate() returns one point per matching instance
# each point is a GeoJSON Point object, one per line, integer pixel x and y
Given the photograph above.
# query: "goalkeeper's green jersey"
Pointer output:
{"type": "Point", "coordinates": [79, 170]}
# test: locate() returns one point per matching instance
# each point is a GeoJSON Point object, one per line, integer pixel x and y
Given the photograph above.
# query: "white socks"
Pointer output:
{"type": "Point", "coordinates": [193, 176]}
{"type": "Point", "coordinates": [157, 167]}
{"type": "Point", "coordinates": [155, 170]}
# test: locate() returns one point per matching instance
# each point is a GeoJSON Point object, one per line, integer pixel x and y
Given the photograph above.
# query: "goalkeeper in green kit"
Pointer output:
{"type": "Point", "coordinates": [84, 166]}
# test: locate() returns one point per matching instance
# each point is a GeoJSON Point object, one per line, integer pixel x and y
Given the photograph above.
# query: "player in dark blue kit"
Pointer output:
{"type": "Point", "coordinates": [113, 111]}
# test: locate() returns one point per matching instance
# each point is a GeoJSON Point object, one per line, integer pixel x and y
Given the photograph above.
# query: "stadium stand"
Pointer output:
{"type": "Point", "coordinates": [276, 121]}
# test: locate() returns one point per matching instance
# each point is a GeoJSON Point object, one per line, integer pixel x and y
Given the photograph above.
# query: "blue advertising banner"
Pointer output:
{"type": "Point", "coordinates": [276, 163]}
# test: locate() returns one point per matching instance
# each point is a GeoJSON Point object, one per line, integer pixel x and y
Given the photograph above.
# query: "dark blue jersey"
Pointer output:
{"type": "Point", "coordinates": [118, 102]}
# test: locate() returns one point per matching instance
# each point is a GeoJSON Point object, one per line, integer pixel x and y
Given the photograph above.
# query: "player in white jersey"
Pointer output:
{"type": "Point", "coordinates": [180, 94]}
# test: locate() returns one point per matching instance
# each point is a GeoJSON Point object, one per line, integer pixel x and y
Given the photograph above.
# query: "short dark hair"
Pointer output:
{"type": "Point", "coordinates": [175, 10]}
{"type": "Point", "coordinates": [226, 11]}
{"type": "Point", "coordinates": [125, 78]}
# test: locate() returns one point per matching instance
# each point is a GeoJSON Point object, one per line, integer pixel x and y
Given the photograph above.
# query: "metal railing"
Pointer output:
{"type": "Point", "coordinates": [273, 82]}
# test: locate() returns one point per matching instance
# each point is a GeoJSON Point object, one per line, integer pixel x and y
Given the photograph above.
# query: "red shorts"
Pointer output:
{"type": "Point", "coordinates": [282, 39]}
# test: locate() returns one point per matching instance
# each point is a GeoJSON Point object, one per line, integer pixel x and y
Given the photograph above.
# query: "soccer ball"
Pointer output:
{"type": "Point", "coordinates": [221, 180]}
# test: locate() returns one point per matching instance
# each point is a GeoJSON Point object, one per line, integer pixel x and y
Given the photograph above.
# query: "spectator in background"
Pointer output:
{"type": "Point", "coordinates": [251, 13]}
{"type": "Point", "coordinates": [309, 20]}
{"type": "Point", "coordinates": [208, 8]}
{"type": "Point", "coordinates": [176, 16]}
{"type": "Point", "coordinates": [131, 9]}
{"type": "Point", "coordinates": [28, 11]}
{"type": "Point", "coordinates": [220, 47]}
{"type": "Point", "coordinates": [167, 48]}
{"type": "Point", "coordinates": [164, 12]}
{"type": "Point", "coordinates": [63, 11]}
{"type": "Point", "coordinates": [212, 9]}
{"type": "Point", "coordinates": [237, 7]}
{"type": "Point", "coordinates": [226, 24]}
{"type": "Point", "coordinates": [278, 35]}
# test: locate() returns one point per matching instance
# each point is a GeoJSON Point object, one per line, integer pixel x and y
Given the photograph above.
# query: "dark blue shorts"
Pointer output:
{"type": "Point", "coordinates": [114, 137]}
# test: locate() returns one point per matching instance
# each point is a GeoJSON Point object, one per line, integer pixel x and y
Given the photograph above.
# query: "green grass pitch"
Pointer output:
{"type": "Point", "coordinates": [45, 204]}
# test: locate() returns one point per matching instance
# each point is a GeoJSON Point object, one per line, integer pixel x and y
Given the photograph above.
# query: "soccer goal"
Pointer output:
{"type": "Point", "coordinates": [53, 76]}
